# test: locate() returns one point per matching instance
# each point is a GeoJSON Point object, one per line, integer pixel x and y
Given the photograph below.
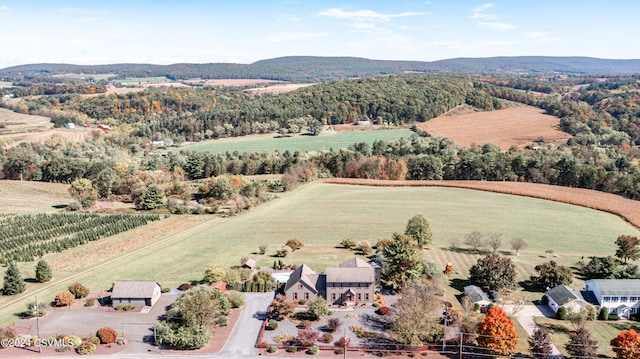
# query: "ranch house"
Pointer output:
{"type": "Point", "coordinates": [135, 292]}
{"type": "Point", "coordinates": [619, 296]}
{"type": "Point", "coordinates": [563, 296]}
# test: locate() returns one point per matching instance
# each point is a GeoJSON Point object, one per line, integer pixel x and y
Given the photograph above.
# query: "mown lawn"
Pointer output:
{"type": "Point", "coordinates": [269, 143]}
{"type": "Point", "coordinates": [601, 331]}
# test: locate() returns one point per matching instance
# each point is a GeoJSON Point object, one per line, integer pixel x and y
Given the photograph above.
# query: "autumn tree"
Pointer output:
{"type": "Point", "coordinates": [412, 317]}
{"type": "Point", "coordinates": [282, 307]}
{"type": "Point", "coordinates": [474, 240]}
{"type": "Point", "coordinates": [199, 306]}
{"type": "Point", "coordinates": [43, 271]}
{"type": "Point", "coordinates": [213, 273]}
{"type": "Point", "coordinates": [495, 241]}
{"type": "Point", "coordinates": [517, 244]}
{"type": "Point", "coordinates": [493, 272]}
{"type": "Point", "coordinates": [551, 274]}
{"type": "Point", "coordinates": [13, 282]}
{"type": "Point", "coordinates": [497, 333]}
{"type": "Point", "coordinates": [626, 345]}
{"type": "Point", "coordinates": [580, 344]}
{"type": "Point", "coordinates": [628, 248]}
{"type": "Point", "coordinates": [419, 230]}
{"type": "Point", "coordinates": [402, 262]}
{"type": "Point", "coordinates": [317, 308]}
{"type": "Point", "coordinates": [540, 345]}
{"type": "Point", "coordinates": [307, 337]}
{"type": "Point", "coordinates": [82, 190]}
{"type": "Point", "coordinates": [64, 299]}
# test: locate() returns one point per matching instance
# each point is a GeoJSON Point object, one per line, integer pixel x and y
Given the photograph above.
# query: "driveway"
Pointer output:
{"type": "Point", "coordinates": [525, 315]}
{"type": "Point", "coordinates": [243, 338]}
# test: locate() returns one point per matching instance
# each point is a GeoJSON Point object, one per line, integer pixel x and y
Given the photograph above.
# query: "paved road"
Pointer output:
{"type": "Point", "coordinates": [243, 338]}
{"type": "Point", "coordinates": [525, 315]}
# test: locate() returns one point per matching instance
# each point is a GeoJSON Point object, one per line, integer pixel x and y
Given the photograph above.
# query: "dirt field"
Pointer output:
{"type": "Point", "coordinates": [606, 202]}
{"type": "Point", "coordinates": [29, 128]}
{"type": "Point", "coordinates": [276, 89]}
{"type": "Point", "coordinates": [518, 126]}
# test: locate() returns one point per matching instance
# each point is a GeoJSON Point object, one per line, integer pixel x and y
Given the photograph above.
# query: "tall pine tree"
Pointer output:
{"type": "Point", "coordinates": [13, 282]}
{"type": "Point", "coordinates": [43, 271]}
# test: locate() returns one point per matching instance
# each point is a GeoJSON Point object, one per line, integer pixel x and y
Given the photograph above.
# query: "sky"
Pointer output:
{"type": "Point", "coordinates": [237, 31]}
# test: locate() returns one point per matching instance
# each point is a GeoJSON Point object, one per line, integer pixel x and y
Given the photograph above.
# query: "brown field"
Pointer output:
{"type": "Point", "coordinates": [232, 82]}
{"type": "Point", "coordinates": [518, 126]}
{"type": "Point", "coordinates": [30, 128]}
{"type": "Point", "coordinates": [628, 209]}
{"type": "Point", "coordinates": [27, 196]}
{"type": "Point", "coordinates": [276, 89]}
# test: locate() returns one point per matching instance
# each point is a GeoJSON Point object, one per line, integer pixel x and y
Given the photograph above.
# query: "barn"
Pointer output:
{"type": "Point", "coordinates": [135, 292]}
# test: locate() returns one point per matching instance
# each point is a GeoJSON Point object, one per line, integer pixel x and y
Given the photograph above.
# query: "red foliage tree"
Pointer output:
{"type": "Point", "coordinates": [282, 306]}
{"type": "Point", "coordinates": [383, 310]}
{"type": "Point", "coordinates": [496, 332]}
{"type": "Point", "coordinates": [307, 337]}
{"type": "Point", "coordinates": [627, 345]}
{"type": "Point", "coordinates": [107, 335]}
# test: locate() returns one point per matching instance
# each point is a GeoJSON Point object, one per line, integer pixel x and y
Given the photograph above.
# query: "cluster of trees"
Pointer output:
{"type": "Point", "coordinates": [14, 282]}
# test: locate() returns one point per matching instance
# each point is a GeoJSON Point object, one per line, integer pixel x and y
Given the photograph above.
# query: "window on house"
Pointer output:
{"type": "Point", "coordinates": [295, 295]}
{"type": "Point", "coordinates": [366, 296]}
{"type": "Point", "coordinates": [615, 299]}
{"type": "Point", "coordinates": [633, 299]}
{"type": "Point", "coordinates": [300, 286]}
{"type": "Point", "coordinates": [333, 297]}
{"type": "Point", "coordinates": [606, 299]}
{"type": "Point", "coordinates": [306, 295]}
{"type": "Point", "coordinates": [359, 296]}
{"type": "Point", "coordinates": [624, 299]}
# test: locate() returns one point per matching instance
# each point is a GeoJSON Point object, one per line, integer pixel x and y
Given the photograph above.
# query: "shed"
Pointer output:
{"type": "Point", "coordinates": [477, 295]}
{"type": "Point", "coordinates": [135, 292]}
{"type": "Point", "coordinates": [249, 263]}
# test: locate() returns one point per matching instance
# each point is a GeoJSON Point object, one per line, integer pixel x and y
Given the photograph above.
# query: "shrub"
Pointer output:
{"type": "Point", "coordinates": [307, 337]}
{"type": "Point", "coordinates": [313, 350]}
{"type": "Point", "coordinates": [90, 303]}
{"type": "Point", "coordinates": [544, 300]}
{"type": "Point", "coordinates": [604, 314]}
{"type": "Point", "coordinates": [95, 340]}
{"type": "Point", "coordinates": [326, 338]}
{"type": "Point", "coordinates": [74, 206]}
{"type": "Point", "coordinates": [294, 244]}
{"type": "Point", "coordinates": [292, 349]}
{"type": "Point", "coordinates": [262, 249]}
{"type": "Point", "coordinates": [184, 286]}
{"type": "Point", "coordinates": [344, 342]}
{"type": "Point", "coordinates": [272, 349]}
{"type": "Point", "coordinates": [613, 317]}
{"type": "Point", "coordinates": [236, 299]}
{"type": "Point", "coordinates": [348, 243]}
{"type": "Point", "coordinates": [273, 324]}
{"type": "Point", "coordinates": [6, 333]}
{"type": "Point", "coordinates": [305, 324]}
{"type": "Point", "coordinates": [382, 243]}
{"type": "Point", "coordinates": [476, 307]}
{"type": "Point", "coordinates": [562, 313]}
{"type": "Point", "coordinates": [72, 340]}
{"type": "Point", "coordinates": [333, 324]}
{"type": "Point", "coordinates": [107, 335]}
{"type": "Point", "coordinates": [283, 251]}
{"type": "Point", "coordinates": [365, 248]}
{"type": "Point", "coordinates": [121, 341]}
{"type": "Point", "coordinates": [362, 333]}
{"type": "Point", "coordinates": [78, 290]}
{"type": "Point", "coordinates": [64, 299]}
{"type": "Point", "coordinates": [223, 321]}
{"type": "Point", "coordinates": [302, 301]}
{"type": "Point", "coordinates": [383, 310]}
{"type": "Point", "coordinates": [165, 290]}
{"type": "Point", "coordinates": [86, 348]}
{"type": "Point", "coordinates": [377, 304]}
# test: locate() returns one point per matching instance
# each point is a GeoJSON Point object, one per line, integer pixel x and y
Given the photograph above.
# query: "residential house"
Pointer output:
{"type": "Point", "coordinates": [305, 283]}
{"type": "Point", "coordinates": [619, 296]}
{"type": "Point", "coordinates": [135, 292]}
{"type": "Point", "coordinates": [563, 296]}
{"type": "Point", "coordinates": [477, 296]}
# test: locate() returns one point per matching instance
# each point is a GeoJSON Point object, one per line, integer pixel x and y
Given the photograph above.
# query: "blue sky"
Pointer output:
{"type": "Point", "coordinates": [165, 32]}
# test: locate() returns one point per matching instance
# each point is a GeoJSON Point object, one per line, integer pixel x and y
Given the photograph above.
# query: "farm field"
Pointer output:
{"type": "Point", "coordinates": [144, 80]}
{"type": "Point", "coordinates": [324, 142]}
{"type": "Point", "coordinates": [20, 127]}
{"type": "Point", "coordinates": [27, 196]}
{"type": "Point", "coordinates": [516, 126]}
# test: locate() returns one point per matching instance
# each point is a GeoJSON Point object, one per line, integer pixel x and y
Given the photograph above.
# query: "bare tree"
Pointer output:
{"type": "Point", "coordinates": [517, 244]}
{"type": "Point", "coordinates": [474, 240]}
{"type": "Point", "coordinates": [495, 241]}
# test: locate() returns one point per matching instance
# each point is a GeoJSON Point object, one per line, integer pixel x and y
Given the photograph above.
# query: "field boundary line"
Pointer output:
{"type": "Point", "coordinates": [144, 247]}
{"type": "Point", "coordinates": [627, 209]}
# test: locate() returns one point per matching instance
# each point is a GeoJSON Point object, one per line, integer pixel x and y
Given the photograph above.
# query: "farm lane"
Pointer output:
{"type": "Point", "coordinates": [241, 342]}
{"type": "Point", "coordinates": [525, 315]}
{"type": "Point", "coordinates": [108, 262]}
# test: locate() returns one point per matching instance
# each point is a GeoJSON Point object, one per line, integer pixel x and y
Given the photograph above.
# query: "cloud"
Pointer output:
{"type": "Point", "coordinates": [542, 37]}
{"type": "Point", "coordinates": [4, 8]}
{"type": "Point", "coordinates": [71, 10]}
{"type": "Point", "coordinates": [87, 20]}
{"type": "Point", "coordinates": [479, 12]}
{"type": "Point", "coordinates": [294, 36]}
{"type": "Point", "coordinates": [503, 26]}
{"type": "Point", "coordinates": [365, 15]}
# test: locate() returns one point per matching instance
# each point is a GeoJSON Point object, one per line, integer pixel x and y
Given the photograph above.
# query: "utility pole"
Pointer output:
{"type": "Point", "coordinates": [344, 350]}
{"type": "Point", "coordinates": [461, 337]}
{"type": "Point", "coordinates": [444, 334]}
{"type": "Point", "coordinates": [38, 324]}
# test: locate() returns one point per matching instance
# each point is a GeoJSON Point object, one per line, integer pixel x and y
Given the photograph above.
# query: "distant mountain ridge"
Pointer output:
{"type": "Point", "coordinates": [316, 68]}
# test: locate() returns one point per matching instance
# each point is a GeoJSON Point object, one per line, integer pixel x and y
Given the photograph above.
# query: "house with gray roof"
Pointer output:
{"type": "Point", "coordinates": [135, 292]}
{"type": "Point", "coordinates": [353, 281]}
{"type": "Point", "coordinates": [619, 296]}
{"type": "Point", "coordinates": [477, 296]}
{"type": "Point", "coordinates": [563, 296]}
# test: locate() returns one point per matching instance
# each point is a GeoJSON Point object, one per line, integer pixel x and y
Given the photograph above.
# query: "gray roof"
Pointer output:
{"type": "Point", "coordinates": [134, 289]}
{"type": "Point", "coordinates": [620, 287]}
{"type": "Point", "coordinates": [561, 294]}
{"type": "Point", "coordinates": [475, 294]}
{"type": "Point", "coordinates": [350, 275]}
{"type": "Point", "coordinates": [354, 263]}
{"type": "Point", "coordinates": [249, 263]}
{"type": "Point", "coordinates": [303, 274]}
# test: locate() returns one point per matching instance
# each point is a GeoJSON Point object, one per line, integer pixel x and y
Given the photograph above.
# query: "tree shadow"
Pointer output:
{"type": "Point", "coordinates": [459, 284]}
{"type": "Point", "coordinates": [375, 322]}
{"type": "Point", "coordinates": [529, 285]}
{"type": "Point", "coordinates": [60, 206]}
{"type": "Point", "coordinates": [31, 280]}
{"type": "Point", "coordinates": [552, 327]}
{"type": "Point", "coordinates": [260, 315]}
{"type": "Point", "coordinates": [465, 250]}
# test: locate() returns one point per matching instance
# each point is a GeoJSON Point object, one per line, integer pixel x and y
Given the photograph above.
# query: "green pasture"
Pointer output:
{"type": "Point", "coordinates": [321, 215]}
{"type": "Point", "coordinates": [96, 77]}
{"type": "Point", "coordinates": [602, 331]}
{"type": "Point", "coordinates": [144, 80]}
{"type": "Point", "coordinates": [324, 142]}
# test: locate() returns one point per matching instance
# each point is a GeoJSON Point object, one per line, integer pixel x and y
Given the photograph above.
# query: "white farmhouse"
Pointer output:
{"type": "Point", "coordinates": [563, 296]}
{"type": "Point", "coordinates": [620, 296]}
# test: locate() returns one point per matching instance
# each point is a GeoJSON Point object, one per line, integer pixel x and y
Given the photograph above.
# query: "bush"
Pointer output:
{"type": "Point", "coordinates": [348, 243]}
{"type": "Point", "coordinates": [71, 340]}
{"type": "Point", "coordinates": [272, 349]}
{"type": "Point", "coordinates": [283, 251]}
{"type": "Point", "coordinates": [184, 286]}
{"type": "Point", "coordinates": [613, 317]}
{"type": "Point", "coordinates": [307, 337]}
{"type": "Point", "coordinates": [125, 307]}
{"type": "Point", "coordinates": [562, 313]}
{"type": "Point", "coordinates": [78, 290]}
{"type": "Point", "coordinates": [476, 307]}
{"type": "Point", "coordinates": [121, 341]}
{"type": "Point", "coordinates": [86, 348]}
{"type": "Point", "coordinates": [362, 333]}
{"type": "Point", "coordinates": [326, 338]}
{"type": "Point", "coordinates": [95, 340]}
{"type": "Point", "coordinates": [64, 299]}
{"type": "Point", "coordinates": [333, 324]}
{"type": "Point", "coordinates": [292, 349]}
{"type": "Point", "coordinates": [344, 342]}
{"type": "Point", "coordinates": [377, 304]}
{"type": "Point", "coordinates": [6, 333]}
{"type": "Point", "coordinates": [90, 303]}
{"type": "Point", "coordinates": [273, 324]}
{"type": "Point", "coordinates": [165, 290]}
{"type": "Point", "coordinates": [74, 206]}
{"type": "Point", "coordinates": [365, 248]}
{"type": "Point", "coordinates": [305, 324]}
{"type": "Point", "coordinates": [262, 249]}
{"type": "Point", "coordinates": [107, 335]}
{"type": "Point", "coordinates": [604, 314]}
{"type": "Point", "coordinates": [313, 350]}
{"type": "Point", "coordinates": [302, 301]}
{"type": "Point", "coordinates": [383, 310]}
{"type": "Point", "coordinates": [294, 244]}
{"type": "Point", "coordinates": [236, 299]}
{"type": "Point", "coordinates": [223, 321]}
{"type": "Point", "coordinates": [544, 300]}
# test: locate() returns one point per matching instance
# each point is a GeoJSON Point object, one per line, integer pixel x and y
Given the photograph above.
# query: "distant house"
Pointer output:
{"type": "Point", "coordinates": [136, 293]}
{"type": "Point", "coordinates": [563, 296]}
{"type": "Point", "coordinates": [104, 127]}
{"type": "Point", "coordinates": [353, 281]}
{"type": "Point", "coordinates": [249, 263]}
{"type": "Point", "coordinates": [70, 125]}
{"type": "Point", "coordinates": [477, 295]}
{"type": "Point", "coordinates": [619, 296]}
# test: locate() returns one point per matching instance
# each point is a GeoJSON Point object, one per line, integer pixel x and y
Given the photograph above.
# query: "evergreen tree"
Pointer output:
{"type": "Point", "coordinates": [43, 271]}
{"type": "Point", "coordinates": [13, 282]}
{"type": "Point", "coordinates": [540, 344]}
{"type": "Point", "coordinates": [580, 344]}
{"type": "Point", "coordinates": [153, 198]}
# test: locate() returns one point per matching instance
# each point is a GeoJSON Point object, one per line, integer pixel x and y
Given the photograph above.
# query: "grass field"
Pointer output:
{"type": "Point", "coordinates": [326, 141]}
{"type": "Point", "coordinates": [143, 80]}
{"type": "Point", "coordinates": [601, 331]}
{"type": "Point", "coordinates": [96, 77]}
{"type": "Point", "coordinates": [321, 215]}
{"type": "Point", "coordinates": [26, 196]}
